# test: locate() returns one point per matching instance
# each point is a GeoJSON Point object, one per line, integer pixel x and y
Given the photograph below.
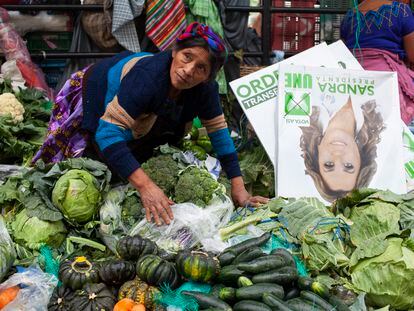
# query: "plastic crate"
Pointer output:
{"type": "Point", "coordinates": [330, 24]}
{"type": "Point", "coordinates": [52, 41]}
{"type": "Point", "coordinates": [53, 70]}
{"type": "Point", "coordinates": [294, 32]}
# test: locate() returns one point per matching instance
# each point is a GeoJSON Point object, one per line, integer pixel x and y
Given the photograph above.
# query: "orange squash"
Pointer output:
{"type": "Point", "coordinates": [138, 307]}
{"type": "Point", "coordinates": [7, 295]}
{"type": "Point", "coordinates": [125, 304]}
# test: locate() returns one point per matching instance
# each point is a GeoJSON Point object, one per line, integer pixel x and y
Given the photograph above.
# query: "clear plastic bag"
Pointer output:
{"type": "Point", "coordinates": [36, 289]}
{"type": "Point", "coordinates": [7, 251]}
{"type": "Point", "coordinates": [191, 225]}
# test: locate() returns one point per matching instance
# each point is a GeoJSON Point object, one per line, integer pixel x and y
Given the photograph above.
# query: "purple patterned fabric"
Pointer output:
{"type": "Point", "coordinates": [65, 138]}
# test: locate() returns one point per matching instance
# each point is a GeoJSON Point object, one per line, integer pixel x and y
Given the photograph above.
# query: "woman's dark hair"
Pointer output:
{"type": "Point", "coordinates": [215, 61]}
{"type": "Point", "coordinates": [367, 139]}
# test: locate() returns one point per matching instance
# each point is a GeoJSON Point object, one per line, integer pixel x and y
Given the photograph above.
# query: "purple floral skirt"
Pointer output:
{"type": "Point", "coordinates": [65, 137]}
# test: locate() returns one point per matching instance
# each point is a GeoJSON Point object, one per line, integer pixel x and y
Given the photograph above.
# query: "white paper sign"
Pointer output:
{"type": "Point", "coordinates": [338, 130]}
{"type": "Point", "coordinates": [257, 93]}
{"type": "Point", "coordinates": [347, 60]}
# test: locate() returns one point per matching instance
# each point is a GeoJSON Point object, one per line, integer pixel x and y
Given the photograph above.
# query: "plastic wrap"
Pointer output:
{"type": "Point", "coordinates": [191, 225]}
{"type": "Point", "coordinates": [7, 251]}
{"type": "Point", "coordinates": [36, 290]}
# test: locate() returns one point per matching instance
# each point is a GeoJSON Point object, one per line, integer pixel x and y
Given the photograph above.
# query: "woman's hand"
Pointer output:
{"type": "Point", "coordinates": [240, 195]}
{"type": "Point", "coordinates": [157, 205]}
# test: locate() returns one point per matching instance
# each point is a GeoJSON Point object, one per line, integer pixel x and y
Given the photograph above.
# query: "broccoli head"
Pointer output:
{"type": "Point", "coordinates": [197, 186]}
{"type": "Point", "coordinates": [163, 170]}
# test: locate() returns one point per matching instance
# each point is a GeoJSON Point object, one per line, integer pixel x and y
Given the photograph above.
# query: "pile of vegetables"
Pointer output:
{"type": "Point", "coordinates": [363, 242]}
{"type": "Point", "coordinates": [253, 280]}
{"type": "Point", "coordinates": [303, 255]}
{"type": "Point", "coordinates": [24, 117]}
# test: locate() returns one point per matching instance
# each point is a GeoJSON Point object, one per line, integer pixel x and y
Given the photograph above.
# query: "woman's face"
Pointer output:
{"type": "Point", "coordinates": [339, 160]}
{"type": "Point", "coordinates": [189, 67]}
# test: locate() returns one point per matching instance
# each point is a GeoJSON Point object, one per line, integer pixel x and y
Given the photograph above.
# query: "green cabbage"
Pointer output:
{"type": "Point", "coordinates": [77, 196]}
{"type": "Point", "coordinates": [32, 232]}
{"type": "Point", "coordinates": [388, 278]}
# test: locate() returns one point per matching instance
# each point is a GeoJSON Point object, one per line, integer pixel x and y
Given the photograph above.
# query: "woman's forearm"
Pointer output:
{"type": "Point", "coordinates": [139, 179]}
{"type": "Point", "coordinates": [237, 183]}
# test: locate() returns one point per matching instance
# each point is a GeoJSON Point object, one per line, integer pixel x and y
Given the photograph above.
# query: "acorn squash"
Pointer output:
{"type": "Point", "coordinates": [78, 271]}
{"type": "Point", "coordinates": [156, 271]}
{"type": "Point", "coordinates": [94, 297]}
{"type": "Point", "coordinates": [133, 247]}
{"type": "Point", "coordinates": [116, 272]}
{"type": "Point", "coordinates": [61, 298]}
{"type": "Point", "coordinates": [197, 266]}
{"type": "Point", "coordinates": [138, 291]}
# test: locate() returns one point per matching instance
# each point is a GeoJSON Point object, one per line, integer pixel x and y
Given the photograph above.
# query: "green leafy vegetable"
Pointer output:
{"type": "Point", "coordinates": [388, 278]}
{"type": "Point", "coordinates": [258, 172]}
{"type": "Point", "coordinates": [77, 195]}
{"type": "Point", "coordinates": [197, 186]}
{"type": "Point", "coordinates": [32, 232]}
{"type": "Point", "coordinates": [21, 140]}
{"type": "Point", "coordinates": [163, 170]}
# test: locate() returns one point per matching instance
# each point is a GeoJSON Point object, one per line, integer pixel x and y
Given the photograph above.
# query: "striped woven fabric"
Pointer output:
{"type": "Point", "coordinates": [165, 21]}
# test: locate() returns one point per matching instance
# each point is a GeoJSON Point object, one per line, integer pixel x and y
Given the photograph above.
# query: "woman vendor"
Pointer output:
{"type": "Point", "coordinates": [123, 107]}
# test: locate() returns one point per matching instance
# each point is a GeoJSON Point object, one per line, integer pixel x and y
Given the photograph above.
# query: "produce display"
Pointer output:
{"type": "Point", "coordinates": [91, 240]}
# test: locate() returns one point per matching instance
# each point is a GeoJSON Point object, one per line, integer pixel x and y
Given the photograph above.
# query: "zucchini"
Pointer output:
{"type": "Point", "coordinates": [262, 264]}
{"type": "Point", "coordinates": [316, 299]}
{"type": "Point", "coordinates": [244, 281]}
{"type": "Point", "coordinates": [256, 291]}
{"type": "Point", "coordinates": [275, 303]}
{"type": "Point", "coordinates": [283, 276]}
{"type": "Point", "coordinates": [215, 290]}
{"type": "Point", "coordinates": [251, 305]}
{"type": "Point", "coordinates": [207, 300]}
{"type": "Point", "coordinates": [338, 303]}
{"type": "Point", "coordinates": [292, 293]}
{"type": "Point", "coordinates": [229, 275]}
{"type": "Point", "coordinates": [286, 255]}
{"type": "Point", "coordinates": [298, 304]}
{"type": "Point", "coordinates": [242, 246]}
{"type": "Point", "coordinates": [248, 255]}
{"type": "Point", "coordinates": [228, 294]}
{"type": "Point", "coordinates": [306, 283]}
{"type": "Point", "coordinates": [226, 257]}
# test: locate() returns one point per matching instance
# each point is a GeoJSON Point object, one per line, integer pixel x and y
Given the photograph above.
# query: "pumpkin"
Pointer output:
{"type": "Point", "coordinates": [61, 298]}
{"type": "Point", "coordinates": [7, 295]}
{"type": "Point", "coordinates": [133, 247]}
{"type": "Point", "coordinates": [138, 307]}
{"type": "Point", "coordinates": [156, 271]}
{"type": "Point", "coordinates": [94, 297]}
{"type": "Point", "coordinates": [116, 272]}
{"type": "Point", "coordinates": [78, 271]}
{"type": "Point", "coordinates": [138, 291]}
{"type": "Point", "coordinates": [127, 304]}
{"type": "Point", "coordinates": [197, 266]}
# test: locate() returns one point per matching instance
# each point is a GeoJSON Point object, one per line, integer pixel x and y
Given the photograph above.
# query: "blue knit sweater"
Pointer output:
{"type": "Point", "coordinates": [114, 108]}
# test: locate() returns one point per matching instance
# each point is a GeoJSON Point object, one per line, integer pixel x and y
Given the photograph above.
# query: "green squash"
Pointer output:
{"type": "Point", "coordinates": [94, 297]}
{"type": "Point", "coordinates": [197, 266]}
{"type": "Point", "coordinates": [156, 271]}
{"type": "Point", "coordinates": [61, 298]}
{"type": "Point", "coordinates": [133, 247]}
{"type": "Point", "coordinates": [140, 292]}
{"type": "Point", "coordinates": [116, 272]}
{"type": "Point", "coordinates": [78, 271]}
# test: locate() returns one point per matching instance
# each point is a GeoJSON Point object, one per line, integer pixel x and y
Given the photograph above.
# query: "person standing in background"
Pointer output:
{"type": "Point", "coordinates": [381, 34]}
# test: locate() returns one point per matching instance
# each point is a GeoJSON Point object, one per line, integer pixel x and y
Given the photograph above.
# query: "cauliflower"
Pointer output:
{"type": "Point", "coordinates": [9, 105]}
{"type": "Point", "coordinates": [197, 186]}
{"type": "Point", "coordinates": [163, 170]}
